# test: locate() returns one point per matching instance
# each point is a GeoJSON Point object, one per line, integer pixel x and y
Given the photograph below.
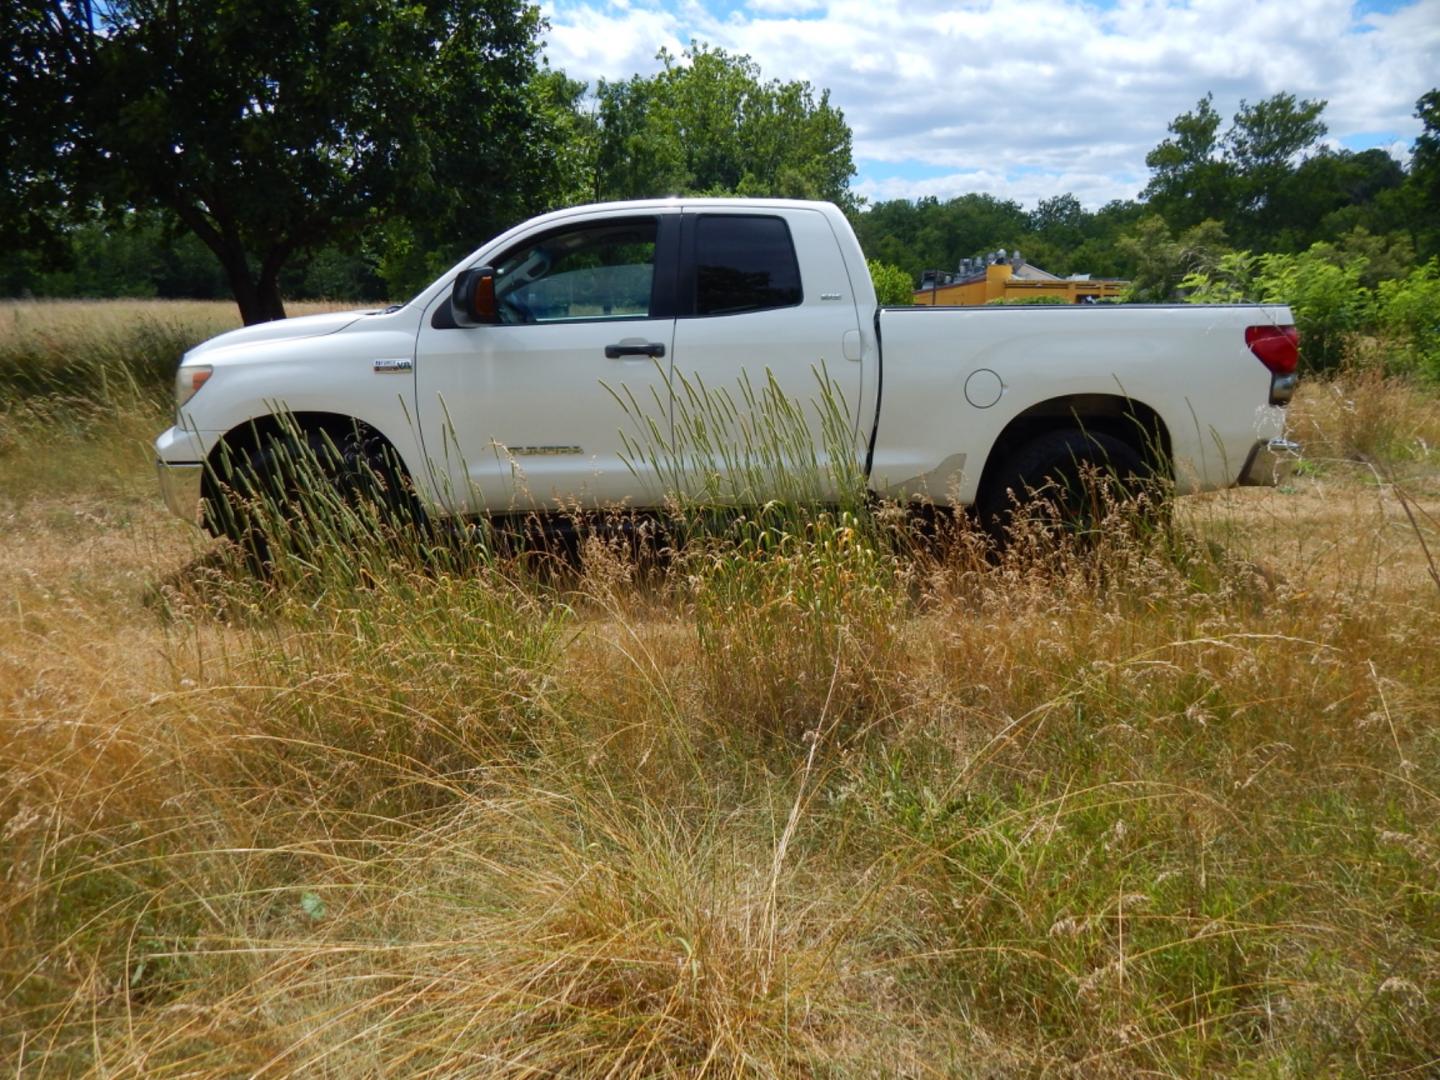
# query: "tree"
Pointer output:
{"type": "Point", "coordinates": [1190, 180]}
{"type": "Point", "coordinates": [270, 128]}
{"type": "Point", "coordinates": [1272, 132]}
{"type": "Point", "coordinates": [1379, 258]}
{"type": "Point", "coordinates": [34, 117]}
{"type": "Point", "coordinates": [1425, 153]}
{"type": "Point", "coordinates": [932, 235]}
{"type": "Point", "coordinates": [1239, 179]}
{"type": "Point", "coordinates": [1162, 260]}
{"type": "Point", "coordinates": [1422, 187]}
{"type": "Point", "coordinates": [1264, 146]}
{"type": "Point", "coordinates": [638, 148]}
{"type": "Point", "coordinates": [893, 287]}
{"type": "Point", "coordinates": [1329, 194]}
{"type": "Point", "coordinates": [1057, 227]}
{"type": "Point", "coordinates": [708, 124]}
{"type": "Point", "coordinates": [1061, 217]}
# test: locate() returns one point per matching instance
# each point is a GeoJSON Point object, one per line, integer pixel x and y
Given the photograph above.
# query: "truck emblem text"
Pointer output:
{"type": "Point", "coordinates": [545, 451]}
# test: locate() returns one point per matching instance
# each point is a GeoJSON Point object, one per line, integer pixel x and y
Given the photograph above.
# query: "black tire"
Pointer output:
{"type": "Point", "coordinates": [1065, 482]}
{"type": "Point", "coordinates": [369, 471]}
{"type": "Point", "coordinates": [288, 477]}
{"type": "Point", "coordinates": [261, 490]}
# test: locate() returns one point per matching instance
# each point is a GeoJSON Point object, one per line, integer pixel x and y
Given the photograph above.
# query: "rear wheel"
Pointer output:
{"type": "Point", "coordinates": [1067, 482]}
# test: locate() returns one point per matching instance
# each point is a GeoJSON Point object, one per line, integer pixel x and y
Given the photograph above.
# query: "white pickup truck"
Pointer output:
{"type": "Point", "coordinates": [532, 374]}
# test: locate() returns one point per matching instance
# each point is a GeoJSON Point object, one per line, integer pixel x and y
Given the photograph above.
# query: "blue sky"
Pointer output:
{"type": "Point", "coordinates": [1026, 99]}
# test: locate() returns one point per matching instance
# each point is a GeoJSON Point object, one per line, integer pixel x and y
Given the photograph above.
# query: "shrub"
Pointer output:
{"type": "Point", "coordinates": [1162, 261]}
{"type": "Point", "coordinates": [893, 287]}
{"type": "Point", "coordinates": [1329, 302]}
{"type": "Point", "coordinates": [1409, 315]}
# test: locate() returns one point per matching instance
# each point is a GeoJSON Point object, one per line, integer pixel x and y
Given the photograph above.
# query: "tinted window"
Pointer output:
{"type": "Point", "coordinates": [593, 272]}
{"type": "Point", "coordinates": [744, 264]}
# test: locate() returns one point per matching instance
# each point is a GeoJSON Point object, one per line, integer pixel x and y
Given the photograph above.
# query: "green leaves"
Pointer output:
{"type": "Point", "coordinates": [273, 127]}
{"type": "Point", "coordinates": [893, 287]}
{"type": "Point", "coordinates": [1164, 262]}
{"type": "Point", "coordinates": [312, 906]}
{"type": "Point", "coordinates": [1409, 314]}
{"type": "Point", "coordinates": [1333, 305]}
{"type": "Point", "coordinates": [708, 124]}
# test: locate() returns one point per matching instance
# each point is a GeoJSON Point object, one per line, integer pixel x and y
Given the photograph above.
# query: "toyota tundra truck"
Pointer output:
{"type": "Point", "coordinates": [560, 361]}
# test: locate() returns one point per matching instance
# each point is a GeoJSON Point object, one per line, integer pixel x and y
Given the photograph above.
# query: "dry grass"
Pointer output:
{"type": "Point", "coordinates": [93, 349]}
{"type": "Point", "coordinates": [1366, 415]}
{"type": "Point", "coordinates": [70, 321]}
{"type": "Point", "coordinates": [809, 804]}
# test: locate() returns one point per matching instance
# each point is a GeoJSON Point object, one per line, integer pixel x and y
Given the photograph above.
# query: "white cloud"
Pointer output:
{"type": "Point", "coordinates": [610, 41]}
{"type": "Point", "coordinates": [1030, 98]}
{"type": "Point", "coordinates": [786, 7]}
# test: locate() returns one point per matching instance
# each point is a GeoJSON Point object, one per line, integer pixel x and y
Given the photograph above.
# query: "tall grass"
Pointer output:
{"type": "Point", "coordinates": [85, 384]}
{"type": "Point", "coordinates": [812, 798]}
{"type": "Point", "coordinates": [745, 447]}
{"type": "Point", "coordinates": [89, 349]}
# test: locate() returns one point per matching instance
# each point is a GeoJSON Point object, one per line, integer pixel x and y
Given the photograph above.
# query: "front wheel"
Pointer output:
{"type": "Point", "coordinates": [1068, 482]}
{"type": "Point", "coordinates": [304, 491]}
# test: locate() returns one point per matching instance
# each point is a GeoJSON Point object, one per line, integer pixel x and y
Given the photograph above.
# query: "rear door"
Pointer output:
{"type": "Point", "coordinates": [767, 350]}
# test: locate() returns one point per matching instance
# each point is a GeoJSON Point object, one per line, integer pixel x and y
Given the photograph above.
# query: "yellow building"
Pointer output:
{"type": "Point", "coordinates": [1001, 278]}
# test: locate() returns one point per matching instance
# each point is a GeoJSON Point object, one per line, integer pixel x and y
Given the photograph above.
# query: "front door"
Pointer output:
{"type": "Point", "coordinates": [527, 414]}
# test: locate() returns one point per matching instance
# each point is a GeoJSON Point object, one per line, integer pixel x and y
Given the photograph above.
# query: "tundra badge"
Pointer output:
{"type": "Point", "coordinates": [393, 367]}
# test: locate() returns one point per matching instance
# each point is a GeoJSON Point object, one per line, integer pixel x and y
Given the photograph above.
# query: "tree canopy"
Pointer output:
{"type": "Point", "coordinates": [1264, 182]}
{"type": "Point", "coordinates": [1189, 181]}
{"type": "Point", "coordinates": [708, 124]}
{"type": "Point", "coordinates": [272, 127]}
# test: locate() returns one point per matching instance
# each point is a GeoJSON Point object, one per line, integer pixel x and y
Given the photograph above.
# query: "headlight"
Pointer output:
{"type": "Point", "coordinates": [188, 380]}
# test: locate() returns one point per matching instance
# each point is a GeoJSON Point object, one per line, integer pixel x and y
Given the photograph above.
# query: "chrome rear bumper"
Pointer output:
{"type": "Point", "coordinates": [1271, 462]}
{"type": "Point", "coordinates": [180, 485]}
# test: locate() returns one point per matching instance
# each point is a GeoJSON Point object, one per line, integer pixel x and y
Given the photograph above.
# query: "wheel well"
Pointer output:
{"type": "Point", "coordinates": [237, 443]}
{"type": "Point", "coordinates": [1132, 422]}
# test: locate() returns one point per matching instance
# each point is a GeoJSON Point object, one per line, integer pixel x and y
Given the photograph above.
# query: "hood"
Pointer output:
{"type": "Point", "coordinates": [282, 330]}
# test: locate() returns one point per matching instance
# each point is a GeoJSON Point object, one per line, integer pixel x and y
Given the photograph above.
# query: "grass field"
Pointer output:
{"type": "Point", "coordinates": [826, 804]}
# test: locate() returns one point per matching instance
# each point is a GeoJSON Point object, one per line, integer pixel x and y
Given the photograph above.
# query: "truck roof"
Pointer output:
{"type": "Point", "coordinates": [686, 202]}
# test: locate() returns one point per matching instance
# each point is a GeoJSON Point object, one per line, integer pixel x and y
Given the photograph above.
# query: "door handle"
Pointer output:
{"type": "Point", "coordinates": [635, 347]}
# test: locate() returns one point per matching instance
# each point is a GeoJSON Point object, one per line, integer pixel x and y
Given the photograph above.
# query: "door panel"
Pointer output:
{"type": "Point", "coordinates": [762, 358]}
{"type": "Point", "coordinates": [523, 415]}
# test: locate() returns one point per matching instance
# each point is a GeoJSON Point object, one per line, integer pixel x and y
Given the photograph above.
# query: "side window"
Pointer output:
{"type": "Point", "coordinates": [744, 264]}
{"type": "Point", "coordinates": [600, 271]}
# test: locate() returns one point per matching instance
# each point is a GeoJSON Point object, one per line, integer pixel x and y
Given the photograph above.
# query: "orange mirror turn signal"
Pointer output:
{"type": "Point", "coordinates": [473, 297]}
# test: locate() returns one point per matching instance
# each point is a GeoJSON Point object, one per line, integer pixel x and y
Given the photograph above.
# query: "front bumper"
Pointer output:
{"type": "Point", "coordinates": [180, 485]}
{"type": "Point", "coordinates": [1271, 462]}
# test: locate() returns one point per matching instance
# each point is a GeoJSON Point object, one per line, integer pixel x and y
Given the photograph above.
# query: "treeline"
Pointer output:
{"type": "Point", "coordinates": [145, 254]}
{"type": "Point", "coordinates": [1267, 183]}
{"type": "Point", "coordinates": [1262, 210]}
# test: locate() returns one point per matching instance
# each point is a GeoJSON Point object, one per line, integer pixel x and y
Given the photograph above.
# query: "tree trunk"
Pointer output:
{"type": "Point", "coordinates": [267, 290]}
{"type": "Point", "coordinates": [258, 297]}
{"type": "Point", "coordinates": [259, 301]}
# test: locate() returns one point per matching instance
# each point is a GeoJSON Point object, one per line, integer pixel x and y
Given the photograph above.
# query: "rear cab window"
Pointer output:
{"type": "Point", "coordinates": [744, 263]}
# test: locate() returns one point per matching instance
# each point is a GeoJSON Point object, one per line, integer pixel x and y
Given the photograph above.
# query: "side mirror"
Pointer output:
{"type": "Point", "coordinates": [472, 301]}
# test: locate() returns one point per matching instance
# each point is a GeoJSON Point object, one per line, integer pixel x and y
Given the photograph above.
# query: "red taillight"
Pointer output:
{"type": "Point", "coordinates": [1278, 347]}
